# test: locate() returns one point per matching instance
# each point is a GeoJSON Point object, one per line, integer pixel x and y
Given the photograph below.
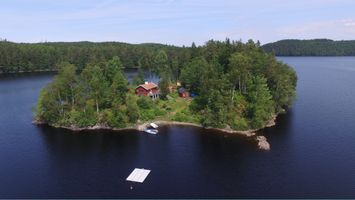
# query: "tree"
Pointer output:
{"type": "Point", "coordinates": [161, 64]}
{"type": "Point", "coordinates": [191, 74]}
{"type": "Point", "coordinates": [95, 84]}
{"type": "Point", "coordinates": [175, 70]}
{"type": "Point", "coordinates": [194, 50]}
{"type": "Point", "coordinates": [144, 102]}
{"type": "Point", "coordinates": [132, 108]}
{"type": "Point", "coordinates": [119, 88]}
{"type": "Point", "coordinates": [67, 79]}
{"type": "Point", "coordinates": [282, 85]}
{"type": "Point", "coordinates": [113, 66]}
{"type": "Point", "coordinates": [48, 108]}
{"type": "Point", "coordinates": [239, 71]}
{"type": "Point", "coordinates": [138, 78]}
{"type": "Point", "coordinates": [215, 111]}
{"type": "Point", "coordinates": [261, 106]}
{"type": "Point", "coordinates": [146, 63]}
{"type": "Point", "coordinates": [164, 87]}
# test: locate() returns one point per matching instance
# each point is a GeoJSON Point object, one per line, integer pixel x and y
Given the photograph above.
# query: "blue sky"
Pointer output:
{"type": "Point", "coordinates": [178, 22]}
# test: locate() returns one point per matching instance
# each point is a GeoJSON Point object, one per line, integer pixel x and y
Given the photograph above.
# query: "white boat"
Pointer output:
{"type": "Point", "coordinates": [151, 131]}
{"type": "Point", "coordinates": [153, 125]}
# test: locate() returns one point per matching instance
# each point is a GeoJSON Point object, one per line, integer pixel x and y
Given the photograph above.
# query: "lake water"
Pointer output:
{"type": "Point", "coordinates": [312, 149]}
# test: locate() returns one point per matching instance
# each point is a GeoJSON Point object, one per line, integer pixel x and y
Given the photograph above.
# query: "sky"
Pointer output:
{"type": "Point", "coordinates": [175, 22]}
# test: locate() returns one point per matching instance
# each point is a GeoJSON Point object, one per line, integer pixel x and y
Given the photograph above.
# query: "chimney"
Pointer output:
{"type": "Point", "coordinates": [146, 83]}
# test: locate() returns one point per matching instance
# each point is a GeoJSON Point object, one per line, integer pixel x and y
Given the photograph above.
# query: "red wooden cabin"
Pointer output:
{"type": "Point", "coordinates": [148, 89]}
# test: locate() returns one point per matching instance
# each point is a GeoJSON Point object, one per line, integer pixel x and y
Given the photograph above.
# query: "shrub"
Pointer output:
{"type": "Point", "coordinates": [119, 120]}
{"type": "Point", "coordinates": [147, 114]}
{"type": "Point", "coordinates": [185, 116]}
{"type": "Point", "coordinates": [240, 124]}
{"type": "Point", "coordinates": [81, 118]}
{"type": "Point", "coordinates": [132, 109]}
{"type": "Point", "coordinates": [159, 112]}
{"type": "Point", "coordinates": [145, 102]}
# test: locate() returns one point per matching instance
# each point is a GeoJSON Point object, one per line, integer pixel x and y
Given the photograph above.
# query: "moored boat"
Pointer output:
{"type": "Point", "coordinates": [153, 125]}
{"type": "Point", "coordinates": [151, 131]}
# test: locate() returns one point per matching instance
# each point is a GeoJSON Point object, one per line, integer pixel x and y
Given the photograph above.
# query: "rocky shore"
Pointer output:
{"type": "Point", "coordinates": [262, 141]}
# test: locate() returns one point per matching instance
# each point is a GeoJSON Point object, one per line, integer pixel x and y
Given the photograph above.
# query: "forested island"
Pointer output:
{"type": "Point", "coordinates": [316, 47]}
{"type": "Point", "coordinates": [235, 86]}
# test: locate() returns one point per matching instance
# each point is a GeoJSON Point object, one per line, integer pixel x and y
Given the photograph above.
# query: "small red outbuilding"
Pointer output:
{"type": "Point", "coordinates": [183, 92]}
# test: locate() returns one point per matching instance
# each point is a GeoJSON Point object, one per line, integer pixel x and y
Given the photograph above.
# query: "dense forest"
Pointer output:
{"type": "Point", "coordinates": [29, 57]}
{"type": "Point", "coordinates": [236, 84]}
{"type": "Point", "coordinates": [317, 47]}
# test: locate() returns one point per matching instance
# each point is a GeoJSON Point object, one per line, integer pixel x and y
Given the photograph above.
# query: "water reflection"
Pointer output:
{"type": "Point", "coordinates": [182, 154]}
{"type": "Point", "coordinates": [65, 142]}
{"type": "Point", "coordinates": [283, 125]}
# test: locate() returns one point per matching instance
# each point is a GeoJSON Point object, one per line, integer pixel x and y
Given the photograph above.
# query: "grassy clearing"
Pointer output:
{"type": "Point", "coordinates": [173, 108]}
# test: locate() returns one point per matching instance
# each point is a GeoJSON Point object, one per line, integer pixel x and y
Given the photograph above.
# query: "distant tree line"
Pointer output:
{"type": "Point", "coordinates": [29, 57]}
{"type": "Point", "coordinates": [236, 84]}
{"type": "Point", "coordinates": [316, 47]}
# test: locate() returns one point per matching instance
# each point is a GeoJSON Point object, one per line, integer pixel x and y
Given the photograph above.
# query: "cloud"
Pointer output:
{"type": "Point", "coordinates": [333, 29]}
{"type": "Point", "coordinates": [349, 23]}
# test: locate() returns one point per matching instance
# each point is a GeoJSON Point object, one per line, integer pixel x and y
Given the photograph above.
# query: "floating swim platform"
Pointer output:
{"type": "Point", "coordinates": [138, 175]}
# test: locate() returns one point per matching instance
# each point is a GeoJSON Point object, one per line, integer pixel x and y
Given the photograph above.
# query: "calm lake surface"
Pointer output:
{"type": "Point", "coordinates": [312, 149]}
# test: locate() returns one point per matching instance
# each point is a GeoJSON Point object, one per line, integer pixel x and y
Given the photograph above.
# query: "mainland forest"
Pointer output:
{"type": "Point", "coordinates": [316, 47]}
{"type": "Point", "coordinates": [237, 84]}
{"type": "Point", "coordinates": [30, 57]}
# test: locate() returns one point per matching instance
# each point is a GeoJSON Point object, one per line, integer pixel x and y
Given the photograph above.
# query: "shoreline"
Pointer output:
{"type": "Point", "coordinates": [44, 71]}
{"type": "Point", "coordinates": [34, 71]}
{"type": "Point", "coordinates": [142, 126]}
{"type": "Point", "coordinates": [262, 141]}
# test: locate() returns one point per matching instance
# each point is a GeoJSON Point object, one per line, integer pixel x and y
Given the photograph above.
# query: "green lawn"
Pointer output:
{"type": "Point", "coordinates": [174, 108]}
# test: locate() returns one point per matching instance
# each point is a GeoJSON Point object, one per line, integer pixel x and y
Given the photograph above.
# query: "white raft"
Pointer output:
{"type": "Point", "coordinates": [138, 175]}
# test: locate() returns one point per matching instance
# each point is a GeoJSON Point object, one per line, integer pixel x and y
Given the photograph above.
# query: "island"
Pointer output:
{"type": "Point", "coordinates": [227, 85]}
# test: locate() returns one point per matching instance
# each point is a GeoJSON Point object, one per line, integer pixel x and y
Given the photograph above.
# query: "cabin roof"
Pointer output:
{"type": "Point", "coordinates": [148, 86]}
